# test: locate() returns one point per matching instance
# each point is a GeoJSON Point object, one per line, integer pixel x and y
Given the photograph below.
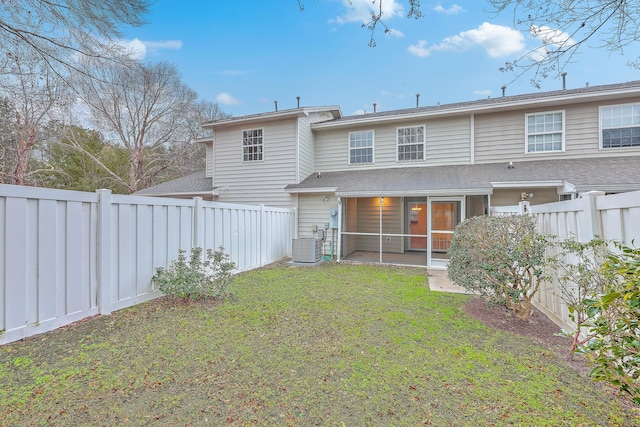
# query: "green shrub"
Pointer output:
{"type": "Point", "coordinates": [500, 257]}
{"type": "Point", "coordinates": [614, 321]}
{"type": "Point", "coordinates": [197, 278]}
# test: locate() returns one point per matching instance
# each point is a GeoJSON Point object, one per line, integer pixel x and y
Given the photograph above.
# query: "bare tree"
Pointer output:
{"type": "Point", "coordinates": [146, 109]}
{"type": "Point", "coordinates": [59, 31]}
{"type": "Point", "coordinates": [37, 95]}
{"type": "Point", "coordinates": [564, 27]}
{"type": "Point", "coordinates": [376, 16]}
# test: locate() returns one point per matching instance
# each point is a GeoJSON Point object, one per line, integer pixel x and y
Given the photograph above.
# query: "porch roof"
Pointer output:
{"type": "Point", "coordinates": [607, 174]}
{"type": "Point", "coordinates": [192, 185]}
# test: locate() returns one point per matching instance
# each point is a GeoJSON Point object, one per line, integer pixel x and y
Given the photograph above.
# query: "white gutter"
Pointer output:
{"type": "Point", "coordinates": [310, 190]}
{"type": "Point", "coordinates": [498, 104]}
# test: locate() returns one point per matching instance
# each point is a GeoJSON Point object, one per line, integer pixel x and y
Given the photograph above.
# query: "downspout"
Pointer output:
{"type": "Point", "coordinates": [339, 248]}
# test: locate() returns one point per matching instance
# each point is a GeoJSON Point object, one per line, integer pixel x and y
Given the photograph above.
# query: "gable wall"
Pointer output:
{"type": "Point", "coordinates": [260, 182]}
{"type": "Point", "coordinates": [447, 143]}
{"type": "Point", "coordinates": [306, 146]}
{"type": "Point", "coordinates": [209, 160]}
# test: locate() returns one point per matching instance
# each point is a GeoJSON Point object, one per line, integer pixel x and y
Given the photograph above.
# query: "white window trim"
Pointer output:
{"type": "Point", "coordinates": [242, 146]}
{"type": "Point", "coordinates": [526, 132]}
{"type": "Point", "coordinates": [373, 148]}
{"type": "Point", "coordinates": [600, 128]}
{"type": "Point", "coordinates": [424, 144]}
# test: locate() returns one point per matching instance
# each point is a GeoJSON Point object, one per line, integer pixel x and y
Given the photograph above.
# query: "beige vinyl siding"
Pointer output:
{"type": "Point", "coordinates": [313, 210]}
{"type": "Point", "coordinates": [367, 213]}
{"type": "Point", "coordinates": [306, 149]}
{"type": "Point", "coordinates": [209, 171]}
{"type": "Point", "coordinates": [511, 197]}
{"type": "Point", "coordinates": [448, 142]}
{"type": "Point", "coordinates": [501, 136]}
{"type": "Point", "coordinates": [257, 182]}
{"type": "Point", "coordinates": [350, 220]}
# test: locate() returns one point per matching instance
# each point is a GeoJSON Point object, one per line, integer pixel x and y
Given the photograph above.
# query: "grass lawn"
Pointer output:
{"type": "Point", "coordinates": [335, 345]}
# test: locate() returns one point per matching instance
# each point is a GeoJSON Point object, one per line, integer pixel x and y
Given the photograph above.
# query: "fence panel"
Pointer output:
{"type": "Point", "coordinates": [610, 217]}
{"type": "Point", "coordinates": [47, 259]}
{"type": "Point", "coordinates": [66, 255]}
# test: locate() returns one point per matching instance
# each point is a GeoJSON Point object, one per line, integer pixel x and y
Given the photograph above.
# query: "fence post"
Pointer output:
{"type": "Point", "coordinates": [198, 239]}
{"type": "Point", "coordinates": [104, 252]}
{"type": "Point", "coordinates": [525, 207]}
{"type": "Point", "coordinates": [591, 225]}
{"type": "Point", "coordinates": [262, 232]}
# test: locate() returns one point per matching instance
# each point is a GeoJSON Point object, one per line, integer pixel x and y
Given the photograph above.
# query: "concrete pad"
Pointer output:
{"type": "Point", "coordinates": [439, 281]}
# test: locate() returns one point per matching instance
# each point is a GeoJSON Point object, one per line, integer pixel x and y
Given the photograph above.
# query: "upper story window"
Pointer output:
{"type": "Point", "coordinates": [361, 147]}
{"type": "Point", "coordinates": [252, 145]}
{"type": "Point", "coordinates": [545, 132]}
{"type": "Point", "coordinates": [411, 143]}
{"type": "Point", "coordinates": [620, 126]}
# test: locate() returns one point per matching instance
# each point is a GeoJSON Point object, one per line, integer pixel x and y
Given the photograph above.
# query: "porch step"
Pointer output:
{"type": "Point", "coordinates": [439, 281]}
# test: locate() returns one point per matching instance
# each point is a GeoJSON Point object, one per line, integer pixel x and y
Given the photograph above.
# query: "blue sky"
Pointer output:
{"type": "Point", "coordinates": [246, 54]}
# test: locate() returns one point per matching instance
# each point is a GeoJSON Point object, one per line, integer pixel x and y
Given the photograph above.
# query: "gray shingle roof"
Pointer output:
{"type": "Point", "coordinates": [195, 183]}
{"type": "Point", "coordinates": [609, 173]}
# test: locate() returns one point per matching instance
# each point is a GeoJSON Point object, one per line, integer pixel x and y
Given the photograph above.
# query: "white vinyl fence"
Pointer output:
{"type": "Point", "coordinates": [612, 217]}
{"type": "Point", "coordinates": [67, 255]}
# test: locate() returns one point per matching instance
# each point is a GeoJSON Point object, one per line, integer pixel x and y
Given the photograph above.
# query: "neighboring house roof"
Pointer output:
{"type": "Point", "coordinates": [192, 185]}
{"type": "Point", "coordinates": [607, 174]}
{"type": "Point", "coordinates": [272, 115]}
{"type": "Point", "coordinates": [616, 92]}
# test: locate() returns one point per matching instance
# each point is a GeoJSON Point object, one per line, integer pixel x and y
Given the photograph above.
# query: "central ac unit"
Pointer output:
{"type": "Point", "coordinates": [306, 250]}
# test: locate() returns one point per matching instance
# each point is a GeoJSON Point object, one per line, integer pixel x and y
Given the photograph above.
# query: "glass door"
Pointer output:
{"type": "Point", "coordinates": [418, 226]}
{"type": "Point", "coordinates": [446, 214]}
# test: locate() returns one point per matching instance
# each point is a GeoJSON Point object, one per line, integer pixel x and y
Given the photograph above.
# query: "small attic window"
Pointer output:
{"type": "Point", "coordinates": [252, 145]}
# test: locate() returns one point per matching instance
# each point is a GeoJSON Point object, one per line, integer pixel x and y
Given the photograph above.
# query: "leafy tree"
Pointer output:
{"type": "Point", "coordinates": [58, 32]}
{"type": "Point", "coordinates": [67, 167]}
{"type": "Point", "coordinates": [614, 323]}
{"type": "Point", "coordinates": [500, 257]}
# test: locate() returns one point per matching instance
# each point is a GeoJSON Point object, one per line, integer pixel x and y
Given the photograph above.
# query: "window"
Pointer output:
{"type": "Point", "coordinates": [411, 145]}
{"type": "Point", "coordinates": [251, 145]}
{"type": "Point", "coordinates": [545, 132]}
{"type": "Point", "coordinates": [620, 126]}
{"type": "Point", "coordinates": [361, 147]}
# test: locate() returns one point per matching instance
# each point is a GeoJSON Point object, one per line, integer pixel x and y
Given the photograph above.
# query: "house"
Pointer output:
{"type": "Point", "coordinates": [391, 186]}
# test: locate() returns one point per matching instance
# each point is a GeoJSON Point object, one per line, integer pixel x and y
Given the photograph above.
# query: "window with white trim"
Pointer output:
{"type": "Point", "coordinates": [361, 147]}
{"type": "Point", "coordinates": [545, 132]}
{"type": "Point", "coordinates": [252, 145]}
{"type": "Point", "coordinates": [411, 143]}
{"type": "Point", "coordinates": [620, 126]}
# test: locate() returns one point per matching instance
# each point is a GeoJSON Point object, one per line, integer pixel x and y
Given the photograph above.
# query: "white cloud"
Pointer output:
{"type": "Point", "coordinates": [163, 44]}
{"type": "Point", "coordinates": [360, 10]}
{"type": "Point", "coordinates": [452, 10]}
{"type": "Point", "coordinates": [420, 50]}
{"type": "Point", "coordinates": [496, 40]}
{"type": "Point", "coordinates": [138, 49]}
{"type": "Point", "coordinates": [226, 99]}
{"type": "Point", "coordinates": [550, 36]}
{"type": "Point", "coordinates": [551, 40]}
{"type": "Point", "coordinates": [394, 33]}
